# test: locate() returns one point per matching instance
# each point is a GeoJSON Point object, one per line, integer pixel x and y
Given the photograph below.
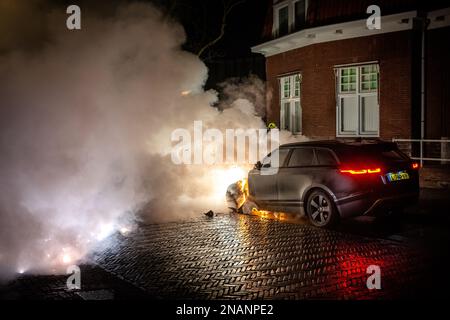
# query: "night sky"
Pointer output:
{"type": "Point", "coordinates": [202, 21]}
{"type": "Point", "coordinates": [248, 24]}
{"type": "Point", "coordinates": [200, 18]}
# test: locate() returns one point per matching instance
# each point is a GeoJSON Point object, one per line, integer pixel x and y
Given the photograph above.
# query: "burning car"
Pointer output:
{"type": "Point", "coordinates": [330, 180]}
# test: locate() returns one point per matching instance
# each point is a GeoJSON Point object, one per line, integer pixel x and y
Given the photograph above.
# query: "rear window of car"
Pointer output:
{"type": "Point", "coordinates": [393, 155]}
{"type": "Point", "coordinates": [325, 157]}
{"type": "Point", "coordinates": [384, 153]}
{"type": "Point", "coordinates": [301, 157]}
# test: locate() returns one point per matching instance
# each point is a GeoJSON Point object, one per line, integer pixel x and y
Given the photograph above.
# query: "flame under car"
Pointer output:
{"type": "Point", "coordinates": [330, 180]}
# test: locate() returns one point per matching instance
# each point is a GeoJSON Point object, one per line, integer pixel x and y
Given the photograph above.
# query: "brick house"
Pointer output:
{"type": "Point", "coordinates": [332, 77]}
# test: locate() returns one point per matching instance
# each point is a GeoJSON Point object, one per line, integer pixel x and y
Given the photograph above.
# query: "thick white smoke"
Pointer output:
{"type": "Point", "coordinates": [85, 126]}
{"type": "Point", "coordinates": [251, 89]}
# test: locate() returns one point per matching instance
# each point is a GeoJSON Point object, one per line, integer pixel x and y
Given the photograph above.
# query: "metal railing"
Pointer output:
{"type": "Point", "coordinates": [444, 149]}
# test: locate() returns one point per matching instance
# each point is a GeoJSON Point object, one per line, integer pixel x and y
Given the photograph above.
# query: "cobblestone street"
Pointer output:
{"type": "Point", "coordinates": [231, 256]}
{"type": "Point", "coordinates": [248, 257]}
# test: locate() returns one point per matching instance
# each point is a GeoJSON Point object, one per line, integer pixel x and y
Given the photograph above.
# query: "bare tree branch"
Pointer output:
{"type": "Point", "coordinates": [228, 6]}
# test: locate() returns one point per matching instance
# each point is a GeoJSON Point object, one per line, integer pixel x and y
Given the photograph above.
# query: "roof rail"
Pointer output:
{"type": "Point", "coordinates": [361, 140]}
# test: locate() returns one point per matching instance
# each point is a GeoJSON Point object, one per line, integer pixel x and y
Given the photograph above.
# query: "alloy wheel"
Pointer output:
{"type": "Point", "coordinates": [320, 210]}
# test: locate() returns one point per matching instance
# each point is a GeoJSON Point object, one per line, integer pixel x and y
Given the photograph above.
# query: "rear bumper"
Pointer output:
{"type": "Point", "coordinates": [368, 204]}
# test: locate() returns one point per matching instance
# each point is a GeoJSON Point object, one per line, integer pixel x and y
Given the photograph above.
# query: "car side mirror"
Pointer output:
{"type": "Point", "coordinates": [258, 165]}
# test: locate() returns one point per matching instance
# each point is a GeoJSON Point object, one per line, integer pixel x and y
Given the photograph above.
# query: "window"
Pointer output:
{"type": "Point", "coordinates": [325, 157]}
{"type": "Point", "coordinates": [300, 14]}
{"type": "Point", "coordinates": [289, 15]}
{"type": "Point", "coordinates": [357, 101]}
{"type": "Point", "coordinates": [290, 106]}
{"type": "Point", "coordinates": [268, 161]}
{"type": "Point", "coordinates": [283, 21]}
{"type": "Point", "coordinates": [302, 157]}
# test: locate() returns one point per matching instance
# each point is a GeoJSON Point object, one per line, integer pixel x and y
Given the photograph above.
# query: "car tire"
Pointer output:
{"type": "Point", "coordinates": [321, 210]}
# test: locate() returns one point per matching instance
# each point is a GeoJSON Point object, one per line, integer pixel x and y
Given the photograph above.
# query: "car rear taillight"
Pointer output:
{"type": "Point", "coordinates": [361, 171]}
{"type": "Point", "coordinates": [415, 166]}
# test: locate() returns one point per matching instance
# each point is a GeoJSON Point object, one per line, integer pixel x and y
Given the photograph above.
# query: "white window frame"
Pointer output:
{"type": "Point", "coordinates": [359, 95]}
{"type": "Point", "coordinates": [291, 15]}
{"type": "Point", "coordinates": [292, 99]}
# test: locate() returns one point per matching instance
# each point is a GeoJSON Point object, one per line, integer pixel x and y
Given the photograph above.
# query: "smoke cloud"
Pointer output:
{"type": "Point", "coordinates": [85, 127]}
{"type": "Point", "coordinates": [251, 89]}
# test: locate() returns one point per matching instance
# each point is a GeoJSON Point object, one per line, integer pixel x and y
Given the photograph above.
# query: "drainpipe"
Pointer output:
{"type": "Point", "coordinates": [422, 90]}
{"type": "Point", "coordinates": [425, 22]}
{"type": "Point", "coordinates": [420, 25]}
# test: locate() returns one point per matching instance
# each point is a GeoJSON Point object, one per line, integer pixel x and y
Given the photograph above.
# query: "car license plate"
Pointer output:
{"type": "Point", "coordinates": [397, 176]}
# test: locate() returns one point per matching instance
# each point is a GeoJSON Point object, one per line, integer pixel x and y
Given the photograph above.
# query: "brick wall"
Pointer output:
{"type": "Point", "coordinates": [438, 84]}
{"type": "Point", "coordinates": [437, 177]}
{"type": "Point", "coordinates": [316, 62]}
